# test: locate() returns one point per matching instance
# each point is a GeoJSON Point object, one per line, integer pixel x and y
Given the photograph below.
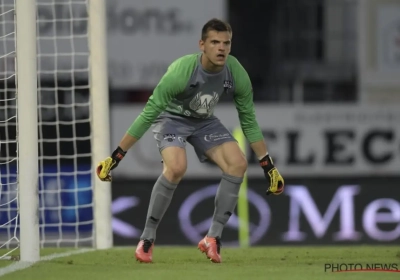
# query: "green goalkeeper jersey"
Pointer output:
{"type": "Point", "coordinates": [188, 90]}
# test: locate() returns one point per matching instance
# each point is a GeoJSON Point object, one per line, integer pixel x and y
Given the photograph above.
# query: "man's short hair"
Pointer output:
{"type": "Point", "coordinates": [216, 25]}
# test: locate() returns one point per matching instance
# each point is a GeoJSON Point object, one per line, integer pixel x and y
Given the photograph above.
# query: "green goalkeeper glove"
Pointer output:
{"type": "Point", "coordinates": [276, 183]}
{"type": "Point", "coordinates": [105, 166]}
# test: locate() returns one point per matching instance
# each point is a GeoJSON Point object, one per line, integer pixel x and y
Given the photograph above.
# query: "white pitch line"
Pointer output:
{"type": "Point", "coordinates": [23, 265]}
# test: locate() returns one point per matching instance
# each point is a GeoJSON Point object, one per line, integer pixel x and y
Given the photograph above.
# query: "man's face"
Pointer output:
{"type": "Point", "coordinates": [217, 46]}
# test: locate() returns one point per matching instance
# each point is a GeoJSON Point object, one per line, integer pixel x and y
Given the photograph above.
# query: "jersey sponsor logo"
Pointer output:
{"type": "Point", "coordinates": [203, 104]}
{"type": "Point", "coordinates": [216, 137]}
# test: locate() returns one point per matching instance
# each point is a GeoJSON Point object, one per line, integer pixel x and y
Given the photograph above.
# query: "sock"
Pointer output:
{"type": "Point", "coordinates": [225, 203]}
{"type": "Point", "coordinates": [160, 199]}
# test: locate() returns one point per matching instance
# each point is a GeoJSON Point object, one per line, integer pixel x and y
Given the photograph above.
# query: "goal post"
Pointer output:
{"type": "Point", "coordinates": [100, 120]}
{"type": "Point", "coordinates": [57, 45]}
{"type": "Point", "coordinates": [27, 129]}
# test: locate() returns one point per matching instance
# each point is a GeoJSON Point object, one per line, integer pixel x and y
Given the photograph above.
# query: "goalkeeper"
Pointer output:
{"type": "Point", "coordinates": [180, 111]}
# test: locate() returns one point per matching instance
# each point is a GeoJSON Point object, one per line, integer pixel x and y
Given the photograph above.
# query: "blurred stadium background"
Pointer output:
{"type": "Point", "coordinates": [326, 78]}
{"type": "Point", "coordinates": [327, 92]}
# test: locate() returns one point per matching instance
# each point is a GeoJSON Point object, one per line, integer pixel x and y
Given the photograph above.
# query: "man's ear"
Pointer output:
{"type": "Point", "coordinates": [201, 45]}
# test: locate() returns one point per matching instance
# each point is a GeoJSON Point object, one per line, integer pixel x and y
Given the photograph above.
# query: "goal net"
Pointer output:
{"type": "Point", "coordinates": [66, 136]}
{"type": "Point", "coordinates": [8, 118]}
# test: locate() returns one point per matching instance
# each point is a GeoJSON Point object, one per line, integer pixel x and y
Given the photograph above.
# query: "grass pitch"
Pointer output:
{"type": "Point", "coordinates": [277, 263]}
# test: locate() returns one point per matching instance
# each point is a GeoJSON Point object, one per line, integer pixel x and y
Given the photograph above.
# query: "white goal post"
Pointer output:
{"type": "Point", "coordinates": [27, 133]}
{"type": "Point", "coordinates": [101, 139]}
{"type": "Point", "coordinates": [27, 75]}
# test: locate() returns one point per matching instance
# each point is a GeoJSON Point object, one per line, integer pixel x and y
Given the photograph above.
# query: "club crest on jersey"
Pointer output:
{"type": "Point", "coordinates": [228, 84]}
{"type": "Point", "coordinates": [203, 104]}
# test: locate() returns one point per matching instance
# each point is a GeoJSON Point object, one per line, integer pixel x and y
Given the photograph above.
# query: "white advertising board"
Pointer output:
{"type": "Point", "coordinates": [303, 141]}
{"type": "Point", "coordinates": [144, 37]}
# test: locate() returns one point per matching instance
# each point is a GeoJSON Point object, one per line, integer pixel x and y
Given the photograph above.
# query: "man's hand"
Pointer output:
{"type": "Point", "coordinates": [275, 180]}
{"type": "Point", "coordinates": [104, 167]}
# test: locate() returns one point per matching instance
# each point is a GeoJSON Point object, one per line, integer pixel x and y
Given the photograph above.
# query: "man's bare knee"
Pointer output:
{"type": "Point", "coordinates": [174, 164]}
{"type": "Point", "coordinates": [229, 158]}
{"type": "Point", "coordinates": [175, 173]}
{"type": "Point", "coordinates": [237, 167]}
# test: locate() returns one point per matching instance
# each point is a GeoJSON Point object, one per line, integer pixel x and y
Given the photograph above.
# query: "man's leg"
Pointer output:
{"type": "Point", "coordinates": [174, 159]}
{"type": "Point", "coordinates": [233, 164]}
{"type": "Point", "coordinates": [220, 147]}
{"type": "Point", "coordinates": [173, 154]}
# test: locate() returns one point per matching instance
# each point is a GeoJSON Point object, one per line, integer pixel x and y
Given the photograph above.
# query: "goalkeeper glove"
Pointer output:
{"type": "Point", "coordinates": [275, 180]}
{"type": "Point", "coordinates": [110, 163]}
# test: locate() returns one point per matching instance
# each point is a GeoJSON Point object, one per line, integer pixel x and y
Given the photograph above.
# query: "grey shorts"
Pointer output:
{"type": "Point", "coordinates": [203, 134]}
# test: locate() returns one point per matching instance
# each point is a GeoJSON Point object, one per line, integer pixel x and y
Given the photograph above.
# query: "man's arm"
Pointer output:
{"type": "Point", "coordinates": [244, 103]}
{"type": "Point", "coordinates": [158, 101]}
{"type": "Point", "coordinates": [168, 87]}
{"type": "Point", "coordinates": [165, 91]}
{"type": "Point", "coordinates": [243, 98]}
{"type": "Point", "coordinates": [259, 148]}
{"type": "Point", "coordinates": [172, 83]}
{"type": "Point", "coordinates": [127, 142]}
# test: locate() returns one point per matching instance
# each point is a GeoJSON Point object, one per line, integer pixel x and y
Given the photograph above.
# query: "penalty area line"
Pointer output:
{"type": "Point", "coordinates": [24, 265]}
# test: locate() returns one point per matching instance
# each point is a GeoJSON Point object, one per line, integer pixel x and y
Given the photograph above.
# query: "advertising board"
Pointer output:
{"type": "Point", "coordinates": [303, 141]}
{"type": "Point", "coordinates": [311, 211]}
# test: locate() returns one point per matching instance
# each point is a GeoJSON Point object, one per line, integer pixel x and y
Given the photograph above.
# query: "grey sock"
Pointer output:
{"type": "Point", "coordinates": [225, 203]}
{"type": "Point", "coordinates": [160, 199]}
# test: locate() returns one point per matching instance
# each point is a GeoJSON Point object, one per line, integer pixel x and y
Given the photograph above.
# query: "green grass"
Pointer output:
{"type": "Point", "coordinates": [15, 254]}
{"type": "Point", "coordinates": [176, 263]}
